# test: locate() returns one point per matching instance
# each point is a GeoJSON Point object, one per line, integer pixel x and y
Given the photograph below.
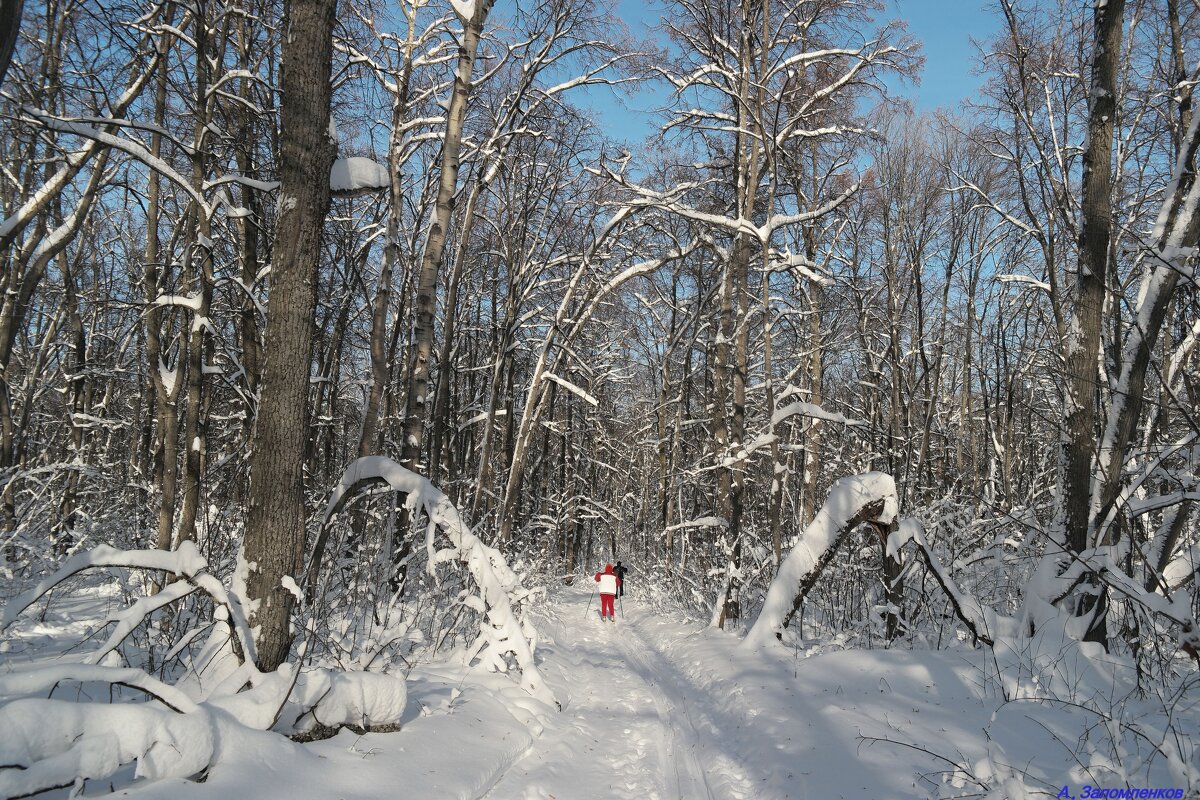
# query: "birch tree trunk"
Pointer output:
{"type": "Point", "coordinates": [431, 262]}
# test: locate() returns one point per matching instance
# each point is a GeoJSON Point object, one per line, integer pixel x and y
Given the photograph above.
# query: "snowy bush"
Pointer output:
{"type": "Point", "coordinates": [198, 691]}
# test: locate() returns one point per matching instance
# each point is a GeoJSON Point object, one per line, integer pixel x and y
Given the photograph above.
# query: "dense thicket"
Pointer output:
{"type": "Point", "coordinates": [665, 355]}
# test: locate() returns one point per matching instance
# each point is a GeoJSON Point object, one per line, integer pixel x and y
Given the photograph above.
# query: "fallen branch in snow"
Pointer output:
{"type": "Point", "coordinates": [870, 497]}
{"type": "Point", "coordinates": [49, 743]}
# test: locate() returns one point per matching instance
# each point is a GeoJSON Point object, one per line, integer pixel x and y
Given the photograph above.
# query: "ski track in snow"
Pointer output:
{"type": "Point", "coordinates": [656, 707]}
{"type": "Point", "coordinates": [628, 727]}
{"type": "Point", "coordinates": [682, 773]}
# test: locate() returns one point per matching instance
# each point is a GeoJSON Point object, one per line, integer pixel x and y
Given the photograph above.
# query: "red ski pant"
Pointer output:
{"type": "Point", "coordinates": [606, 605]}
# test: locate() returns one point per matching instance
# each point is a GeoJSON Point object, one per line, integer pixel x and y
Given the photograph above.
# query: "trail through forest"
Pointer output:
{"type": "Point", "coordinates": [657, 706]}
{"type": "Point", "coordinates": [632, 723]}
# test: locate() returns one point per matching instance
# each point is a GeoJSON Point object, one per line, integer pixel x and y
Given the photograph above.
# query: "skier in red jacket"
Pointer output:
{"type": "Point", "coordinates": [609, 584]}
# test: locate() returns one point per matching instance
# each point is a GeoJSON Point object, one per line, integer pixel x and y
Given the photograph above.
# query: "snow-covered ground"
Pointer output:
{"type": "Point", "coordinates": [657, 707]}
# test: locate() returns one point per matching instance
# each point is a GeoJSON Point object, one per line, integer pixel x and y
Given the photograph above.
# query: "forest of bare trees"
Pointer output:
{"type": "Point", "coordinates": [245, 244]}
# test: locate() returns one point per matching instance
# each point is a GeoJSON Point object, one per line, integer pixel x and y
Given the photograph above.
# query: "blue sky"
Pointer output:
{"type": "Point", "coordinates": [944, 28]}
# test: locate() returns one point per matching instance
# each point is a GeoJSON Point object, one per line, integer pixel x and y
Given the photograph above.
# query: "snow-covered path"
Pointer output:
{"type": "Point", "coordinates": [630, 725]}
{"type": "Point", "coordinates": [658, 708]}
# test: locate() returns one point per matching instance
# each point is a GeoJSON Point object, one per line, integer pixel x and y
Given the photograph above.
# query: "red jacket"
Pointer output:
{"type": "Point", "coordinates": [610, 581]}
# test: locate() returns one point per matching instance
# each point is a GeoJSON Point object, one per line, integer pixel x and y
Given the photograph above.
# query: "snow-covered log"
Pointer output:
{"type": "Point", "coordinates": [49, 744]}
{"type": "Point", "coordinates": [501, 632]}
{"type": "Point", "coordinates": [870, 497]}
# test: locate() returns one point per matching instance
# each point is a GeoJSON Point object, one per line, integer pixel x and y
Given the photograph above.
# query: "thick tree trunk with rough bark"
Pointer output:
{"type": "Point", "coordinates": [1083, 344]}
{"type": "Point", "coordinates": [274, 544]}
{"type": "Point", "coordinates": [10, 24]}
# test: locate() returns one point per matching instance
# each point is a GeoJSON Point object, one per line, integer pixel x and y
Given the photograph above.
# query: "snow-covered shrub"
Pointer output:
{"type": "Point", "coordinates": [195, 691]}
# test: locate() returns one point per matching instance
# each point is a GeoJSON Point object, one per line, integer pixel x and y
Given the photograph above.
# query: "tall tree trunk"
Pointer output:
{"type": "Point", "coordinates": [65, 535]}
{"type": "Point", "coordinates": [200, 264]}
{"type": "Point", "coordinates": [1078, 449]}
{"type": "Point", "coordinates": [441, 407]}
{"type": "Point", "coordinates": [735, 295]}
{"type": "Point", "coordinates": [431, 262]}
{"type": "Point", "coordinates": [813, 428]}
{"type": "Point", "coordinates": [248, 234]}
{"type": "Point", "coordinates": [391, 250]}
{"type": "Point", "coordinates": [274, 543]}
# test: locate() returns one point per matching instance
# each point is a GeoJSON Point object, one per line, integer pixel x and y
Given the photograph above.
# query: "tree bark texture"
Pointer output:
{"type": "Point", "coordinates": [1083, 343]}
{"type": "Point", "coordinates": [10, 24]}
{"type": "Point", "coordinates": [274, 544]}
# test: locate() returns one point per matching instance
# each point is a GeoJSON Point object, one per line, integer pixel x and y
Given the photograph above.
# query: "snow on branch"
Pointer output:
{"type": "Point", "coordinates": [126, 146]}
{"type": "Point", "coordinates": [573, 389]}
{"type": "Point", "coordinates": [186, 562]}
{"type": "Point", "coordinates": [358, 175]}
{"type": "Point", "coordinates": [464, 8]}
{"type": "Point", "coordinates": [968, 609]}
{"type": "Point", "coordinates": [870, 497]}
{"type": "Point", "coordinates": [501, 632]}
{"type": "Point", "coordinates": [801, 264]}
{"type": "Point", "coordinates": [701, 522]}
{"type": "Point", "coordinates": [802, 409]}
{"type": "Point", "coordinates": [55, 743]}
{"type": "Point", "coordinates": [48, 743]}
{"type": "Point", "coordinates": [1023, 279]}
{"type": "Point", "coordinates": [191, 301]}
{"type": "Point", "coordinates": [43, 677]}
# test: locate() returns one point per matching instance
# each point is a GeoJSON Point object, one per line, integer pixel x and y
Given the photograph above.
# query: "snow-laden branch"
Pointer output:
{"type": "Point", "coordinates": [126, 146]}
{"type": "Point", "coordinates": [1025, 280]}
{"type": "Point", "coordinates": [800, 408]}
{"type": "Point", "coordinates": [671, 200]}
{"type": "Point", "coordinates": [966, 607]}
{"type": "Point", "coordinates": [870, 497]}
{"type": "Point", "coordinates": [573, 389]}
{"type": "Point", "coordinates": [357, 175]}
{"type": "Point", "coordinates": [700, 522]}
{"type": "Point", "coordinates": [501, 632]}
{"type": "Point", "coordinates": [42, 677]}
{"type": "Point", "coordinates": [54, 743]}
{"type": "Point", "coordinates": [185, 562]}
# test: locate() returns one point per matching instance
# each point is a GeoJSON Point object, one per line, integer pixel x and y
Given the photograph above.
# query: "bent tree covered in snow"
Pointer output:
{"type": "Point", "coordinates": [495, 593]}
{"type": "Point", "coordinates": [852, 501]}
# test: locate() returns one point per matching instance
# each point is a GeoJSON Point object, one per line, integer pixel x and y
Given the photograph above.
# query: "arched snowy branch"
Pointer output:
{"type": "Point", "coordinates": [870, 497]}
{"type": "Point", "coordinates": [501, 632]}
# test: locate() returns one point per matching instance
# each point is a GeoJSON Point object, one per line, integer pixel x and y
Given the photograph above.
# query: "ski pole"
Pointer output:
{"type": "Point", "coordinates": [622, 601]}
{"type": "Point", "coordinates": [589, 608]}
